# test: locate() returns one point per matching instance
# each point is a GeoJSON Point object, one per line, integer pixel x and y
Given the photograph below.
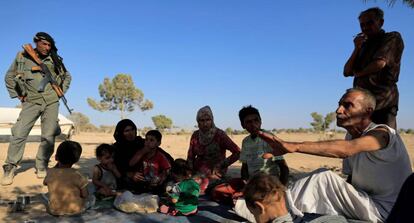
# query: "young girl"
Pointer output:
{"type": "Point", "coordinates": [105, 174]}
{"type": "Point", "coordinates": [183, 192]}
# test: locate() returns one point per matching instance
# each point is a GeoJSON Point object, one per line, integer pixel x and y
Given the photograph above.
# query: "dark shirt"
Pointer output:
{"type": "Point", "coordinates": [383, 84]}
{"type": "Point", "coordinates": [124, 151]}
{"type": "Point", "coordinates": [402, 210]}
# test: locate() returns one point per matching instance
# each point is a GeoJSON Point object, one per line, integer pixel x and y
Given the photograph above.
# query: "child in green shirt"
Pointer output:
{"type": "Point", "coordinates": [183, 192]}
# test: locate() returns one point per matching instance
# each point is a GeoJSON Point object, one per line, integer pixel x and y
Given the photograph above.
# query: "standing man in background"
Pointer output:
{"type": "Point", "coordinates": [375, 64]}
{"type": "Point", "coordinates": [23, 80]}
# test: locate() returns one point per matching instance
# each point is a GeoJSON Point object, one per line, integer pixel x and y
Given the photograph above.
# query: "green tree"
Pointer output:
{"type": "Point", "coordinates": [317, 123]}
{"type": "Point", "coordinates": [162, 122]}
{"type": "Point", "coordinates": [81, 122]}
{"type": "Point", "coordinates": [120, 94]}
{"type": "Point", "coordinates": [329, 118]}
{"type": "Point", "coordinates": [229, 131]}
{"type": "Point", "coordinates": [321, 123]}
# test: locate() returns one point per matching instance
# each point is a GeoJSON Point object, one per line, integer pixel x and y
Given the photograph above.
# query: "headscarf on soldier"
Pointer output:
{"type": "Point", "coordinates": [57, 60]}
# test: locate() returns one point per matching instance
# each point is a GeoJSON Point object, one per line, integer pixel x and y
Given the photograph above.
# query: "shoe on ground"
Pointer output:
{"type": "Point", "coordinates": [8, 174]}
{"type": "Point", "coordinates": [41, 173]}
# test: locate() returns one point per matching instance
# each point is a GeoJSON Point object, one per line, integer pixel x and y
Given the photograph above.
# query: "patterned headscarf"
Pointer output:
{"type": "Point", "coordinates": [57, 60]}
{"type": "Point", "coordinates": [44, 36]}
{"type": "Point", "coordinates": [206, 137]}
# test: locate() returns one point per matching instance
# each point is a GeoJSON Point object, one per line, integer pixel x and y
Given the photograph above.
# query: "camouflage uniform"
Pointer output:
{"type": "Point", "coordinates": [36, 104]}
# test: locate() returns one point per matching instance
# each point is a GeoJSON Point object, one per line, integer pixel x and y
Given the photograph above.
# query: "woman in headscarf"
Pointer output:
{"type": "Point", "coordinates": [127, 143]}
{"type": "Point", "coordinates": [208, 145]}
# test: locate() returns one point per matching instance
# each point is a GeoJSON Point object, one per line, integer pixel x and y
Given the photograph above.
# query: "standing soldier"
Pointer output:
{"type": "Point", "coordinates": [24, 81]}
{"type": "Point", "coordinates": [375, 64]}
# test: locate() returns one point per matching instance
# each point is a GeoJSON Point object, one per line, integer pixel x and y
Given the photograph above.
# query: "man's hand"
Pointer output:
{"type": "Point", "coordinates": [22, 98]}
{"type": "Point", "coordinates": [278, 145]}
{"type": "Point", "coordinates": [359, 40]}
{"type": "Point", "coordinates": [349, 68]}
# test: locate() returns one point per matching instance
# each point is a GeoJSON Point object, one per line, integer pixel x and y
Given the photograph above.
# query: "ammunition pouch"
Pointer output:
{"type": "Point", "coordinates": [20, 85]}
{"type": "Point", "coordinates": [20, 77]}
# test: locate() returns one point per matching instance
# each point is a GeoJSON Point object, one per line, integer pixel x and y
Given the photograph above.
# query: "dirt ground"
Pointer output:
{"type": "Point", "coordinates": [26, 183]}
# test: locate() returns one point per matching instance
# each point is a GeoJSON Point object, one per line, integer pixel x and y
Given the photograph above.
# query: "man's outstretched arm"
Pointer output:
{"type": "Point", "coordinates": [374, 140]}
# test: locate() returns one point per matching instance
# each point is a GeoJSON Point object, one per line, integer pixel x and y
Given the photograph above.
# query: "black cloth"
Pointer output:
{"type": "Point", "coordinates": [402, 210]}
{"type": "Point", "coordinates": [120, 127]}
{"type": "Point", "coordinates": [124, 151]}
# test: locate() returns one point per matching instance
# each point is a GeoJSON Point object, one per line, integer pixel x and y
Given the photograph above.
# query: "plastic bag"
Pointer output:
{"type": "Point", "coordinates": [142, 203]}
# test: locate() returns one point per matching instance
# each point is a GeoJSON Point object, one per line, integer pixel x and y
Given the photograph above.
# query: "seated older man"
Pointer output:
{"type": "Point", "coordinates": [375, 160]}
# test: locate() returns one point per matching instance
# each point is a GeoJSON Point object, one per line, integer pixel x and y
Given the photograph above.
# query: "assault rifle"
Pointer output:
{"type": "Point", "coordinates": [47, 77]}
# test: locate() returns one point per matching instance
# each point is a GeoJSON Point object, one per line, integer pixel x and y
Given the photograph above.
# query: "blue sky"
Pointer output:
{"type": "Point", "coordinates": [283, 57]}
